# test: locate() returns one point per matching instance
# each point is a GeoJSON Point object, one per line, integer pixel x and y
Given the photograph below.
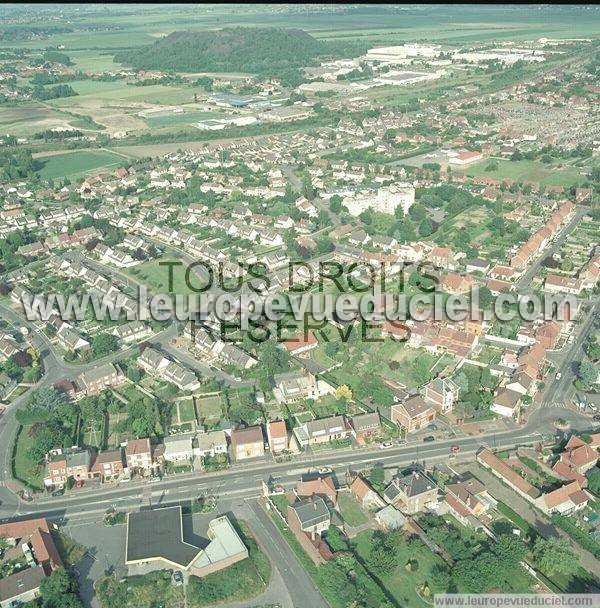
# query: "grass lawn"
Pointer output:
{"type": "Point", "coordinates": [236, 583]}
{"type": "Point", "coordinates": [351, 511]}
{"type": "Point", "coordinates": [70, 551]}
{"type": "Point", "coordinates": [24, 468]}
{"type": "Point", "coordinates": [76, 164]}
{"type": "Point", "coordinates": [156, 277]}
{"type": "Point", "coordinates": [401, 583]}
{"type": "Point", "coordinates": [532, 170]}
{"type": "Point", "coordinates": [167, 119]}
{"type": "Point", "coordinates": [209, 408]}
{"type": "Point", "coordinates": [114, 438]}
{"type": "Point", "coordinates": [187, 411]}
{"type": "Point", "coordinates": [130, 392]}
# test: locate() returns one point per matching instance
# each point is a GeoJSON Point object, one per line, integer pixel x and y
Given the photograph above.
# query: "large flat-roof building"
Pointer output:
{"type": "Point", "coordinates": [156, 540]}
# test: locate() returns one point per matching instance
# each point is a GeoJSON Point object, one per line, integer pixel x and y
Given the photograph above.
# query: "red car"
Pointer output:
{"type": "Point", "coordinates": [455, 448]}
{"type": "Point", "coordinates": [79, 483]}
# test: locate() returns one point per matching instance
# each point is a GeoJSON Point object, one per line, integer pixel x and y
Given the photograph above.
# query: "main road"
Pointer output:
{"type": "Point", "coordinates": [244, 480]}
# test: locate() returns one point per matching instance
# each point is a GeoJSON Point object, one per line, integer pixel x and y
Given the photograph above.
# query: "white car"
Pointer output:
{"type": "Point", "coordinates": [558, 376]}
{"type": "Point", "coordinates": [325, 471]}
{"type": "Point", "coordinates": [386, 445]}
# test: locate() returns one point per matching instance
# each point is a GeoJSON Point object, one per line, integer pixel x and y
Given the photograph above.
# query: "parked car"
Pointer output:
{"type": "Point", "coordinates": [79, 483]}
{"type": "Point", "coordinates": [558, 376]}
{"type": "Point", "coordinates": [177, 578]}
{"type": "Point", "coordinates": [58, 492]}
{"type": "Point", "coordinates": [325, 471]}
{"type": "Point", "coordinates": [429, 438]}
{"type": "Point", "coordinates": [386, 444]}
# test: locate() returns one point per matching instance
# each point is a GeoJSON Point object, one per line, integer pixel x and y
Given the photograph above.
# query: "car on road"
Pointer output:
{"type": "Point", "coordinates": [429, 438]}
{"type": "Point", "coordinates": [386, 444]}
{"type": "Point", "coordinates": [455, 448]}
{"type": "Point", "coordinates": [558, 376]}
{"type": "Point", "coordinates": [325, 471]}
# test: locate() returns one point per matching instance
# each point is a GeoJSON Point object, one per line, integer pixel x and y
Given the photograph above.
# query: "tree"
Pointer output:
{"type": "Point", "coordinates": [307, 188]}
{"type": "Point", "coordinates": [587, 373]}
{"type": "Point", "coordinates": [41, 405]}
{"type": "Point", "coordinates": [343, 392]}
{"type": "Point", "coordinates": [59, 590]}
{"type": "Point", "coordinates": [485, 297]}
{"type": "Point", "coordinates": [104, 344]}
{"type": "Point", "coordinates": [555, 556]}
{"type": "Point", "coordinates": [594, 481]}
{"type": "Point", "coordinates": [425, 227]}
{"type": "Point", "coordinates": [510, 549]}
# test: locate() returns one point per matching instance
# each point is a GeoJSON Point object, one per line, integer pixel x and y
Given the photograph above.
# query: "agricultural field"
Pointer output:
{"type": "Point", "coordinates": [78, 164]}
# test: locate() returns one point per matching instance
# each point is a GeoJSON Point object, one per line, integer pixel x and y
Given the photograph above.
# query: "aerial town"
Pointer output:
{"type": "Point", "coordinates": [299, 304]}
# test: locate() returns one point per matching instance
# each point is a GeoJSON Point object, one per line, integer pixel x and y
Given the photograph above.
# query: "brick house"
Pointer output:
{"type": "Point", "coordinates": [413, 414]}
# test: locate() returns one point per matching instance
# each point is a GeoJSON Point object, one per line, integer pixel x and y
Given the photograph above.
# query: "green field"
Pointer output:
{"type": "Point", "coordinates": [78, 164]}
{"type": "Point", "coordinates": [24, 468]}
{"type": "Point", "coordinates": [531, 170]}
{"type": "Point", "coordinates": [169, 119]}
{"type": "Point", "coordinates": [156, 277]}
{"type": "Point", "coordinates": [93, 92]}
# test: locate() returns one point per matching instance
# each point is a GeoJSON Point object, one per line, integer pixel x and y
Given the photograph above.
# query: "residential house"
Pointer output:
{"type": "Point", "coordinates": [321, 431]}
{"type": "Point", "coordinates": [277, 435]}
{"type": "Point", "coordinates": [308, 519]}
{"type": "Point", "coordinates": [98, 378]}
{"type": "Point", "coordinates": [138, 455]}
{"type": "Point", "coordinates": [507, 403]}
{"type": "Point", "coordinates": [412, 493]}
{"type": "Point", "coordinates": [109, 465]}
{"type": "Point", "coordinates": [210, 443]}
{"type": "Point", "coordinates": [413, 414]}
{"type": "Point", "coordinates": [365, 494]}
{"type": "Point", "coordinates": [178, 448]}
{"type": "Point", "coordinates": [62, 465]}
{"type": "Point", "coordinates": [469, 501]}
{"type": "Point", "coordinates": [247, 443]}
{"type": "Point", "coordinates": [320, 486]}
{"type": "Point", "coordinates": [442, 393]}
{"type": "Point", "coordinates": [365, 425]}
{"type": "Point", "coordinates": [292, 386]}
{"type": "Point", "coordinates": [565, 500]}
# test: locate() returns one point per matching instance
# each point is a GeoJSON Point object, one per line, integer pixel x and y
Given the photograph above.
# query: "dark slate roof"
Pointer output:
{"type": "Point", "coordinates": [312, 511]}
{"type": "Point", "coordinates": [158, 534]}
